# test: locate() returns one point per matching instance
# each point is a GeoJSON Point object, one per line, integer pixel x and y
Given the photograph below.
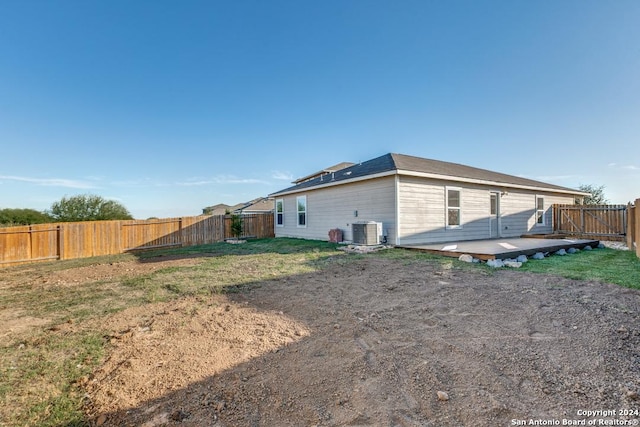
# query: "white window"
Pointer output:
{"type": "Point", "coordinates": [540, 210]}
{"type": "Point", "coordinates": [301, 203]}
{"type": "Point", "coordinates": [454, 204]}
{"type": "Point", "coordinates": [279, 213]}
{"type": "Point", "coordinates": [493, 197]}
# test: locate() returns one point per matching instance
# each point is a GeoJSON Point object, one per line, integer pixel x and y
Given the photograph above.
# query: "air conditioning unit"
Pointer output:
{"type": "Point", "coordinates": [366, 232]}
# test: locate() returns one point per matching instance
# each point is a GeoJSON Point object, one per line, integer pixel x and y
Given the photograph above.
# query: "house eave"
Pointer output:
{"type": "Point", "coordinates": [489, 183]}
{"type": "Point", "coordinates": [430, 176]}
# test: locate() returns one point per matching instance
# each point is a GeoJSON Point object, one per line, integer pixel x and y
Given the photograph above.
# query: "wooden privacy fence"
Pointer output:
{"type": "Point", "coordinates": [605, 222]}
{"type": "Point", "coordinates": [71, 240]}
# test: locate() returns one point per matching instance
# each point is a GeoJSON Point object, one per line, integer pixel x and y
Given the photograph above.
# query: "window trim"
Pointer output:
{"type": "Point", "coordinates": [298, 212]}
{"type": "Point", "coordinates": [447, 208]}
{"type": "Point", "coordinates": [279, 213]}
{"type": "Point", "coordinates": [540, 213]}
{"type": "Point", "coordinates": [493, 208]}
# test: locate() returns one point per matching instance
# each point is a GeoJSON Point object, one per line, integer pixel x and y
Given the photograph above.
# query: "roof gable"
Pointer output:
{"type": "Point", "coordinates": [326, 171]}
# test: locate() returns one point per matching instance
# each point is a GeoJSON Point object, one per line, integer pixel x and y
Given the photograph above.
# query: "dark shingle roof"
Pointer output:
{"type": "Point", "coordinates": [445, 170]}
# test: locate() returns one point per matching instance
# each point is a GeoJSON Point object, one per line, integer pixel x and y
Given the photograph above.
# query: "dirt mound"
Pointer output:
{"type": "Point", "coordinates": [372, 342]}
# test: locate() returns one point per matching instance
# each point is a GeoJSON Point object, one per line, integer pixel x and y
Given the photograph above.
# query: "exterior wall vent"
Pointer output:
{"type": "Point", "coordinates": [366, 232]}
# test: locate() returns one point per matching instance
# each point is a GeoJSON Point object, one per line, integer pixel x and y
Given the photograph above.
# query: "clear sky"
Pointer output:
{"type": "Point", "coordinates": [171, 106]}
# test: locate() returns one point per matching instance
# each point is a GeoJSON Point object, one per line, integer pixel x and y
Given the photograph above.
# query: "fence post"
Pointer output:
{"type": "Point", "coordinates": [60, 242]}
{"type": "Point", "coordinates": [636, 235]}
{"type": "Point", "coordinates": [631, 225]}
{"type": "Point", "coordinates": [30, 242]}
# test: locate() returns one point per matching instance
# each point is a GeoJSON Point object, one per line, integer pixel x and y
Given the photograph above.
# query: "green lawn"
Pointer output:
{"type": "Point", "coordinates": [603, 265]}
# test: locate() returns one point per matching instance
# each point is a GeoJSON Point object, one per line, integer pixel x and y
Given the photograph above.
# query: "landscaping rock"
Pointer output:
{"type": "Point", "coordinates": [572, 250]}
{"type": "Point", "coordinates": [621, 246]}
{"type": "Point", "coordinates": [522, 259]}
{"type": "Point", "coordinates": [538, 255]}
{"type": "Point", "coordinates": [443, 396]}
{"type": "Point", "coordinates": [466, 258]}
{"type": "Point", "coordinates": [587, 248]}
{"type": "Point", "coordinates": [561, 252]}
{"type": "Point", "coordinates": [601, 246]}
{"type": "Point", "coordinates": [362, 249]}
{"type": "Point", "coordinates": [512, 263]}
{"type": "Point", "coordinates": [495, 263]}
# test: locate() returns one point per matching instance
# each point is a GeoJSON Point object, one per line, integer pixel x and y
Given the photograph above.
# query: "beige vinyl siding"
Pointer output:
{"type": "Point", "coordinates": [334, 207]}
{"type": "Point", "coordinates": [422, 207]}
{"type": "Point", "coordinates": [423, 211]}
{"type": "Point", "coordinates": [518, 212]}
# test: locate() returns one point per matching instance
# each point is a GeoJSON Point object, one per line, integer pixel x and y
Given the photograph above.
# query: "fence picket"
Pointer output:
{"type": "Point", "coordinates": [20, 245]}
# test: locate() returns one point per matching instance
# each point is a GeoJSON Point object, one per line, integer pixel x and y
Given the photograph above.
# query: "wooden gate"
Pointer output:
{"type": "Point", "coordinates": [606, 221]}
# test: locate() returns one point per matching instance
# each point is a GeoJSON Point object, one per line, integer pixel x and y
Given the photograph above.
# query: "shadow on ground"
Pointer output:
{"type": "Point", "coordinates": [371, 342]}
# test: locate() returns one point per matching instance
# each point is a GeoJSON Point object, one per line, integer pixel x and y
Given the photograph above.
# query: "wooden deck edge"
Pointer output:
{"type": "Point", "coordinates": [451, 254]}
{"type": "Point", "coordinates": [545, 236]}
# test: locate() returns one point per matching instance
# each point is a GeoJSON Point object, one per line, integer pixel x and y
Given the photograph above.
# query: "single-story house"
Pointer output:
{"type": "Point", "coordinates": [418, 200]}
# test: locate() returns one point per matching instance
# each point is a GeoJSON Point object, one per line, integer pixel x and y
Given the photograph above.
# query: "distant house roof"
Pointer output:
{"type": "Point", "coordinates": [219, 209]}
{"type": "Point", "coordinates": [259, 205]}
{"type": "Point", "coordinates": [326, 171]}
{"type": "Point", "coordinates": [391, 164]}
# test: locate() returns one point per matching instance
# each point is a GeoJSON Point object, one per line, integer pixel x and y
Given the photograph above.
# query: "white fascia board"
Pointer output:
{"type": "Point", "coordinates": [491, 183]}
{"type": "Point", "coordinates": [334, 183]}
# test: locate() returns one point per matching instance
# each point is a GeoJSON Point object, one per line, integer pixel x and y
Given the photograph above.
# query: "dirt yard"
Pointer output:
{"type": "Point", "coordinates": [370, 341]}
{"type": "Point", "coordinates": [376, 342]}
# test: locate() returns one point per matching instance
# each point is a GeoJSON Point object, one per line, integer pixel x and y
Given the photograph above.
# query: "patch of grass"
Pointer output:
{"type": "Point", "coordinates": [229, 271]}
{"type": "Point", "coordinates": [271, 246]}
{"type": "Point", "coordinates": [39, 377]}
{"type": "Point", "coordinates": [603, 265]}
{"type": "Point", "coordinates": [408, 257]}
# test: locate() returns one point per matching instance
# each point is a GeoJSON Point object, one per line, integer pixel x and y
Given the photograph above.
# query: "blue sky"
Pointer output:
{"type": "Point", "coordinates": [171, 106]}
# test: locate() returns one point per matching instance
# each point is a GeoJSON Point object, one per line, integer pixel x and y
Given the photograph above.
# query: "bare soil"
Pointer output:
{"type": "Point", "coordinates": [373, 342]}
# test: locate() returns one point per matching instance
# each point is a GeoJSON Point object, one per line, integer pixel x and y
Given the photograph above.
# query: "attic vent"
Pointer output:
{"type": "Point", "coordinates": [366, 232]}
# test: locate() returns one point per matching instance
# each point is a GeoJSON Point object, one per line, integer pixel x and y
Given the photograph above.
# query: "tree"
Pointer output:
{"type": "Point", "coordinates": [9, 217]}
{"type": "Point", "coordinates": [87, 207]}
{"type": "Point", "coordinates": [597, 194]}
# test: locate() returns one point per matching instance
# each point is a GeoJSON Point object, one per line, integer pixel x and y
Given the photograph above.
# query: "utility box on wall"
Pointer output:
{"type": "Point", "coordinates": [367, 232]}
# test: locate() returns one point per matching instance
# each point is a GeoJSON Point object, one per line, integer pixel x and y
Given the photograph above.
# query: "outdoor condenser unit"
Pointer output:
{"type": "Point", "coordinates": [366, 232]}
